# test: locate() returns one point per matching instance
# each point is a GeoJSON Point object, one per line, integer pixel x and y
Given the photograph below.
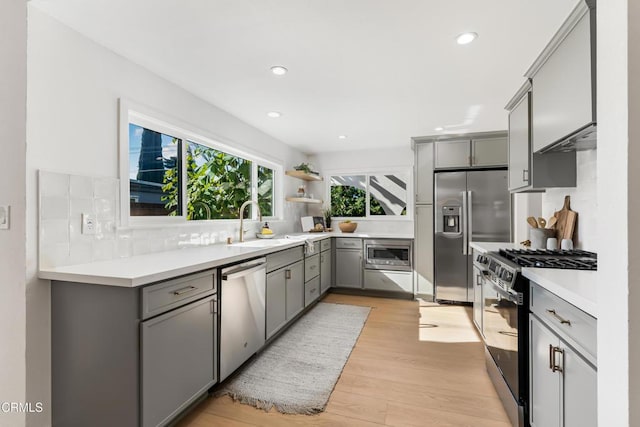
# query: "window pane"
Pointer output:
{"type": "Point", "coordinates": [153, 173]}
{"type": "Point", "coordinates": [348, 195]}
{"type": "Point", "coordinates": [265, 190]}
{"type": "Point", "coordinates": [217, 183]}
{"type": "Point", "coordinates": [388, 194]}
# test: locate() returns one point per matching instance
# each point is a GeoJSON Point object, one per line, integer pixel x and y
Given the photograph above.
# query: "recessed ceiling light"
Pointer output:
{"type": "Point", "coordinates": [439, 128]}
{"type": "Point", "coordinates": [342, 136]}
{"type": "Point", "coordinates": [279, 70]}
{"type": "Point", "coordinates": [466, 38]}
{"type": "Point", "coordinates": [274, 114]}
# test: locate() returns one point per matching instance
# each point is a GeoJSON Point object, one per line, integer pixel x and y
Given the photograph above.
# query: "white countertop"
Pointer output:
{"type": "Point", "coordinates": [577, 287]}
{"type": "Point", "coordinates": [144, 269]}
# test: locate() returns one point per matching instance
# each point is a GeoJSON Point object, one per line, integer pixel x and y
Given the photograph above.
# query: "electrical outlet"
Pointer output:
{"type": "Point", "coordinates": [4, 217]}
{"type": "Point", "coordinates": [88, 224]}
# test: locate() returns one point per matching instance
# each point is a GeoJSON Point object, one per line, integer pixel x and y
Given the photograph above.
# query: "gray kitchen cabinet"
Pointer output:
{"type": "Point", "coordinates": [295, 289]}
{"type": "Point", "coordinates": [325, 271]}
{"type": "Point", "coordinates": [489, 152]}
{"type": "Point", "coordinates": [424, 173]}
{"type": "Point", "coordinates": [276, 301]}
{"type": "Point", "coordinates": [349, 263]}
{"type": "Point", "coordinates": [452, 154]}
{"type": "Point", "coordinates": [563, 374]}
{"type": "Point", "coordinates": [396, 281]}
{"type": "Point", "coordinates": [564, 80]}
{"type": "Point", "coordinates": [423, 256]}
{"type": "Point", "coordinates": [311, 267]}
{"type": "Point", "coordinates": [534, 171]}
{"type": "Point", "coordinates": [311, 290]}
{"type": "Point", "coordinates": [178, 351]}
{"type": "Point", "coordinates": [483, 150]}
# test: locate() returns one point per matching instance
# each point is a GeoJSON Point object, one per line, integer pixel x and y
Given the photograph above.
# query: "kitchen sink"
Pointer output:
{"type": "Point", "coordinates": [264, 243]}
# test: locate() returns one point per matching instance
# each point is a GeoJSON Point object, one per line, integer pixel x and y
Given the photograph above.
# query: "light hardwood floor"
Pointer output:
{"type": "Point", "coordinates": [415, 364]}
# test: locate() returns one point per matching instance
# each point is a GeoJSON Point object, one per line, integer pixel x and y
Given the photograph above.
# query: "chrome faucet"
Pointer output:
{"type": "Point", "coordinates": [244, 205]}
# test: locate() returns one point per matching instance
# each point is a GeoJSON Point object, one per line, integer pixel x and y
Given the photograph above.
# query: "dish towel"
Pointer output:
{"type": "Point", "coordinates": [309, 248]}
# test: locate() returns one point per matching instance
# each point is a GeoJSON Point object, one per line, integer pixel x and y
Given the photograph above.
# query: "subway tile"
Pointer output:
{"type": "Point", "coordinates": [54, 207]}
{"type": "Point", "coordinates": [80, 205]}
{"type": "Point", "coordinates": [54, 255]}
{"type": "Point", "coordinates": [81, 186]}
{"type": "Point", "coordinates": [103, 250]}
{"type": "Point", "coordinates": [104, 208]}
{"type": "Point", "coordinates": [105, 188]}
{"type": "Point", "coordinates": [53, 184]}
{"type": "Point", "coordinates": [81, 252]}
{"type": "Point", "coordinates": [54, 232]}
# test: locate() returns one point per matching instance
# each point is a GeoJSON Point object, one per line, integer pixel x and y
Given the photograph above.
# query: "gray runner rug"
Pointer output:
{"type": "Point", "coordinates": [297, 372]}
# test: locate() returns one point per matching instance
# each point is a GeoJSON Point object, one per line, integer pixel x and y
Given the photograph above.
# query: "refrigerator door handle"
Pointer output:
{"type": "Point", "coordinates": [469, 213]}
{"type": "Point", "coordinates": [465, 236]}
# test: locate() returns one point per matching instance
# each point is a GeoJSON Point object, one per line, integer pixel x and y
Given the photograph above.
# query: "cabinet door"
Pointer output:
{"type": "Point", "coordinates": [276, 302]}
{"type": "Point", "coordinates": [295, 288]}
{"type": "Point", "coordinates": [489, 152]}
{"type": "Point", "coordinates": [178, 359]}
{"type": "Point", "coordinates": [325, 271]}
{"type": "Point", "coordinates": [348, 268]}
{"type": "Point", "coordinates": [519, 144]}
{"type": "Point", "coordinates": [452, 154]}
{"type": "Point", "coordinates": [579, 390]}
{"type": "Point", "coordinates": [424, 173]}
{"type": "Point", "coordinates": [562, 101]}
{"type": "Point", "coordinates": [424, 250]}
{"type": "Point", "coordinates": [545, 384]}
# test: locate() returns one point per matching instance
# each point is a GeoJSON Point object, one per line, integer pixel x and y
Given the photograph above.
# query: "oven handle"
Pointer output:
{"type": "Point", "coordinates": [513, 297]}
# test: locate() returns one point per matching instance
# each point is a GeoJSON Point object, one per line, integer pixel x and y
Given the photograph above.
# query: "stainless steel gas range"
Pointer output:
{"type": "Point", "coordinates": [505, 312]}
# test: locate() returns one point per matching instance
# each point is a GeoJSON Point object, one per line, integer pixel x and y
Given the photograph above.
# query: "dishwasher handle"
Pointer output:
{"type": "Point", "coordinates": [244, 270]}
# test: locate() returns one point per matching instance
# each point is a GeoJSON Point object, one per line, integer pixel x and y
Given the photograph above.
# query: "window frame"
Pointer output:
{"type": "Point", "coordinates": [368, 173]}
{"type": "Point", "coordinates": [130, 112]}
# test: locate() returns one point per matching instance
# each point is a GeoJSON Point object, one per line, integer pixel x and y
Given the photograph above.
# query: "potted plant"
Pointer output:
{"type": "Point", "coordinates": [348, 226]}
{"type": "Point", "coordinates": [327, 213]}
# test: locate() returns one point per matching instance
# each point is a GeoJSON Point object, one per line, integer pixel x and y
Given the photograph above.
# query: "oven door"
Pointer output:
{"type": "Point", "coordinates": [387, 256]}
{"type": "Point", "coordinates": [500, 327]}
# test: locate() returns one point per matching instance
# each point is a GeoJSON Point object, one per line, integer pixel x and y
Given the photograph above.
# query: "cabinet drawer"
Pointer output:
{"type": "Point", "coordinates": [553, 310]}
{"type": "Point", "coordinates": [316, 249]}
{"type": "Point", "coordinates": [311, 291]}
{"type": "Point", "coordinates": [348, 243]}
{"type": "Point", "coordinates": [164, 296]}
{"type": "Point", "coordinates": [398, 281]}
{"type": "Point", "coordinates": [325, 245]}
{"type": "Point", "coordinates": [282, 258]}
{"type": "Point", "coordinates": [311, 267]}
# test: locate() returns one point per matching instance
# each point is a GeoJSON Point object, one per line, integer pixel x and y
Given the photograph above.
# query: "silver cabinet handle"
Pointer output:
{"type": "Point", "coordinates": [560, 319]}
{"type": "Point", "coordinates": [525, 175]}
{"type": "Point", "coordinates": [550, 356]}
{"type": "Point", "coordinates": [313, 291]}
{"type": "Point", "coordinates": [184, 290]}
{"type": "Point", "coordinates": [287, 274]}
{"type": "Point", "coordinates": [554, 366]}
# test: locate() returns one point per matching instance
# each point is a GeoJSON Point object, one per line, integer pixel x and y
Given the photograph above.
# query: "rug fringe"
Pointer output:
{"type": "Point", "coordinates": [267, 405]}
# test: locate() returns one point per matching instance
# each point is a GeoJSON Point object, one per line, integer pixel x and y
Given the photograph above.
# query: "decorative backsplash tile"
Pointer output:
{"type": "Point", "coordinates": [64, 198]}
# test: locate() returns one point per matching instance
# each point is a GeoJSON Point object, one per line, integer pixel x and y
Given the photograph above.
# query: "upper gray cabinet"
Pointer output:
{"type": "Point", "coordinates": [483, 151]}
{"type": "Point", "coordinates": [424, 173]}
{"type": "Point", "coordinates": [564, 85]}
{"type": "Point", "coordinates": [534, 171]}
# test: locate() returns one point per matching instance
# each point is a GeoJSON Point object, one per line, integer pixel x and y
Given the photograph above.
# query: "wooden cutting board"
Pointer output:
{"type": "Point", "coordinates": [566, 221]}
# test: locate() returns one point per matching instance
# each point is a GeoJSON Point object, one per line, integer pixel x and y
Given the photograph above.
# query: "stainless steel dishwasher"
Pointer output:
{"type": "Point", "coordinates": [242, 313]}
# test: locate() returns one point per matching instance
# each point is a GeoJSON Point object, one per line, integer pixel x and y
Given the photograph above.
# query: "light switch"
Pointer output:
{"type": "Point", "coordinates": [88, 224]}
{"type": "Point", "coordinates": [4, 217]}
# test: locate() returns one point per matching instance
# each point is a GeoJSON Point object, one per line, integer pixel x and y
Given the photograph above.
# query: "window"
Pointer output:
{"type": "Point", "coordinates": [177, 175]}
{"type": "Point", "coordinates": [371, 195]}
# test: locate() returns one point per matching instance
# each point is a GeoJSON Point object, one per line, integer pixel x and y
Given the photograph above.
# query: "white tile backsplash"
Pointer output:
{"type": "Point", "coordinates": [64, 198]}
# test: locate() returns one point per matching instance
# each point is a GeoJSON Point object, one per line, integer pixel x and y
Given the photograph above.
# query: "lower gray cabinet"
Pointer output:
{"type": "Point", "coordinates": [276, 302]}
{"type": "Point", "coordinates": [295, 289]}
{"type": "Point", "coordinates": [325, 271]}
{"type": "Point", "coordinates": [349, 268]}
{"type": "Point", "coordinates": [178, 351]}
{"type": "Point", "coordinates": [311, 290]}
{"type": "Point", "coordinates": [381, 280]}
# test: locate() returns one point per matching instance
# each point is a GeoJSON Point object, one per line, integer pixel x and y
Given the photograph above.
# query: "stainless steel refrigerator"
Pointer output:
{"type": "Point", "coordinates": [470, 206]}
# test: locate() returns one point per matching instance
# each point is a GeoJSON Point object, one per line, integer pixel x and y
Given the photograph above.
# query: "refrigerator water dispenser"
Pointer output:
{"type": "Point", "coordinates": [451, 216]}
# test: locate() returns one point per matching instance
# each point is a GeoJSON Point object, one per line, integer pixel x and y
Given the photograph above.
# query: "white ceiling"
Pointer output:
{"type": "Point", "coordinates": [379, 71]}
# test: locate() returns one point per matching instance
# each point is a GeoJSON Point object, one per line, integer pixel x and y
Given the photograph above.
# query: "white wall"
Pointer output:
{"type": "Point", "coordinates": [366, 161]}
{"type": "Point", "coordinates": [13, 69]}
{"type": "Point", "coordinates": [618, 189]}
{"type": "Point", "coordinates": [72, 127]}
